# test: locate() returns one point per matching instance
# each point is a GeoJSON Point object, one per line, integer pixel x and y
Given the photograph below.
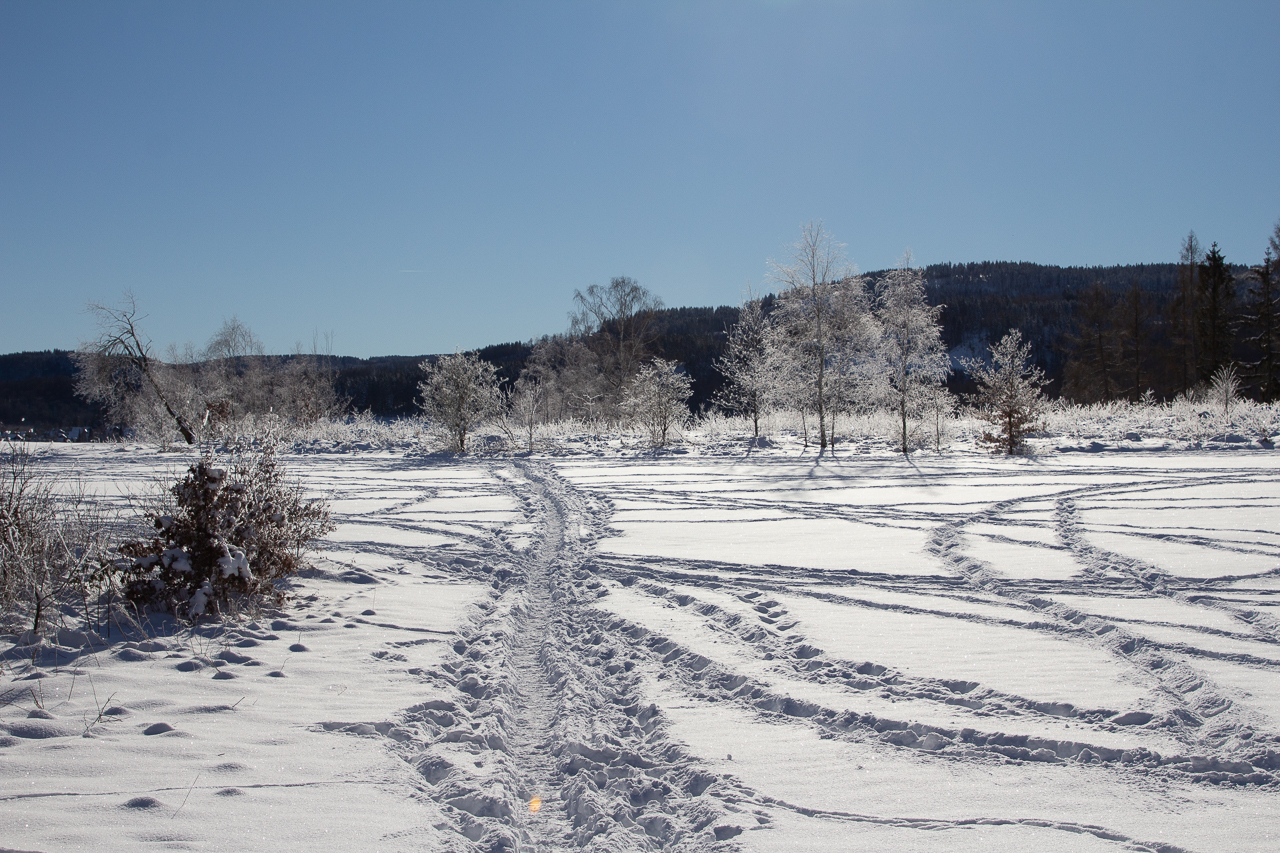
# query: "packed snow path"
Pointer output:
{"type": "Point", "coordinates": [574, 758]}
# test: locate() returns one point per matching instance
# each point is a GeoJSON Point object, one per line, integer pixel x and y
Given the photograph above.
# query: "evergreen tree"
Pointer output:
{"type": "Point", "coordinates": [750, 378]}
{"type": "Point", "coordinates": [1215, 319]}
{"type": "Point", "coordinates": [1092, 373]}
{"type": "Point", "coordinates": [1264, 321]}
{"type": "Point", "coordinates": [1183, 312]}
{"type": "Point", "coordinates": [1009, 392]}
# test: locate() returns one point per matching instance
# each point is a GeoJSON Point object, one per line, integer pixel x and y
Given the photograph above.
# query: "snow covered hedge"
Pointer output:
{"type": "Point", "coordinates": [231, 529]}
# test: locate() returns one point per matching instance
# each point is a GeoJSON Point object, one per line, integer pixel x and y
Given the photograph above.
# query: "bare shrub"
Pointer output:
{"type": "Point", "coordinates": [50, 544]}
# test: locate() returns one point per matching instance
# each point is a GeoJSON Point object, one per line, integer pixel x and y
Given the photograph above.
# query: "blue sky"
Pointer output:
{"type": "Point", "coordinates": [419, 177]}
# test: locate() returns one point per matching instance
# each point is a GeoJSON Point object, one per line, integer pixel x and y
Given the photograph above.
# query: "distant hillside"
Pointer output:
{"type": "Point", "coordinates": [982, 301]}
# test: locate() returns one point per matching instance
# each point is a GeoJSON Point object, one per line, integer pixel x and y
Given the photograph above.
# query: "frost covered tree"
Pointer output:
{"type": "Point", "coordinates": [616, 323]}
{"type": "Point", "coordinates": [939, 406]}
{"type": "Point", "coordinates": [750, 376]}
{"type": "Point", "coordinates": [119, 370]}
{"type": "Point", "coordinates": [527, 403]}
{"type": "Point", "coordinates": [205, 394]}
{"type": "Point", "coordinates": [1224, 388]}
{"type": "Point", "coordinates": [658, 399]}
{"type": "Point", "coordinates": [459, 392]}
{"type": "Point", "coordinates": [568, 378]}
{"type": "Point", "coordinates": [1009, 392]}
{"type": "Point", "coordinates": [914, 359]}
{"type": "Point", "coordinates": [237, 379]}
{"type": "Point", "coordinates": [233, 381]}
{"type": "Point", "coordinates": [822, 326]}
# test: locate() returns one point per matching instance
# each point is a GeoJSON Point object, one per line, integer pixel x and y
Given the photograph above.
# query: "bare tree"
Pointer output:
{"type": "Point", "coordinates": [1136, 334]}
{"type": "Point", "coordinates": [1184, 309]}
{"type": "Point", "coordinates": [119, 364]}
{"type": "Point", "coordinates": [1009, 392]}
{"type": "Point", "coordinates": [617, 324]}
{"type": "Point", "coordinates": [459, 392]}
{"type": "Point", "coordinates": [1264, 322]}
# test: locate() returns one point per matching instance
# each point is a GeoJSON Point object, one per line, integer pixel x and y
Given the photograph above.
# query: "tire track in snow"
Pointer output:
{"type": "Point", "coordinates": [1204, 719]}
{"type": "Point", "coordinates": [707, 680]}
{"type": "Point", "coordinates": [1099, 561]}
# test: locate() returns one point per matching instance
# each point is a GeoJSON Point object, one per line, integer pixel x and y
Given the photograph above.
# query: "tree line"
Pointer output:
{"type": "Point", "coordinates": [1097, 334]}
{"type": "Point", "coordinates": [1135, 342]}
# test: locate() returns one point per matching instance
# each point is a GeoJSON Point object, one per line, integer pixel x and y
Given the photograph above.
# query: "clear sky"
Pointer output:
{"type": "Point", "coordinates": [419, 177]}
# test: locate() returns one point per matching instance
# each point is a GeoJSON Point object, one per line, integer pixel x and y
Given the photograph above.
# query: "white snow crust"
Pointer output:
{"type": "Point", "coordinates": [721, 648]}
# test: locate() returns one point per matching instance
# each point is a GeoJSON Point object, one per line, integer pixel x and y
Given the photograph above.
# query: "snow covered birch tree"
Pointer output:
{"type": "Point", "coordinates": [658, 399]}
{"type": "Point", "coordinates": [814, 312]}
{"type": "Point", "coordinates": [459, 392]}
{"type": "Point", "coordinates": [1009, 392]}
{"type": "Point", "coordinates": [914, 359]}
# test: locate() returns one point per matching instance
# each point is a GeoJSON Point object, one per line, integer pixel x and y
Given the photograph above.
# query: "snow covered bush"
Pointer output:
{"type": "Point", "coordinates": [224, 534]}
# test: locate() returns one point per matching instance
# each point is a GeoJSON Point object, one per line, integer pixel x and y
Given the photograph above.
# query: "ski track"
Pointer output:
{"type": "Point", "coordinates": [1224, 743]}
{"type": "Point", "coordinates": [544, 705]}
{"type": "Point", "coordinates": [534, 667]}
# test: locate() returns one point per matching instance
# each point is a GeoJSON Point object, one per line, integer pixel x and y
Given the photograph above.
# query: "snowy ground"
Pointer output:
{"type": "Point", "coordinates": [716, 650]}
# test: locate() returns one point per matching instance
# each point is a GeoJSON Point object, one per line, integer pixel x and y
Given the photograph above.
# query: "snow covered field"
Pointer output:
{"type": "Point", "coordinates": [728, 650]}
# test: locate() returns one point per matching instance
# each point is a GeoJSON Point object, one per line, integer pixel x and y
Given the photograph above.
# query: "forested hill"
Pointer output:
{"type": "Point", "coordinates": [984, 300]}
{"type": "Point", "coordinates": [981, 302]}
{"type": "Point", "coordinates": [36, 391]}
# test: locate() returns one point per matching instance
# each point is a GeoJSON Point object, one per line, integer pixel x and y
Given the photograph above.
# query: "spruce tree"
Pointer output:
{"type": "Point", "coordinates": [1263, 320]}
{"type": "Point", "coordinates": [1215, 319]}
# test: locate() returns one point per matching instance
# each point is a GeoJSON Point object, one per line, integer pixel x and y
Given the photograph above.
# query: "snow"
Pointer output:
{"type": "Point", "coordinates": [721, 649]}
